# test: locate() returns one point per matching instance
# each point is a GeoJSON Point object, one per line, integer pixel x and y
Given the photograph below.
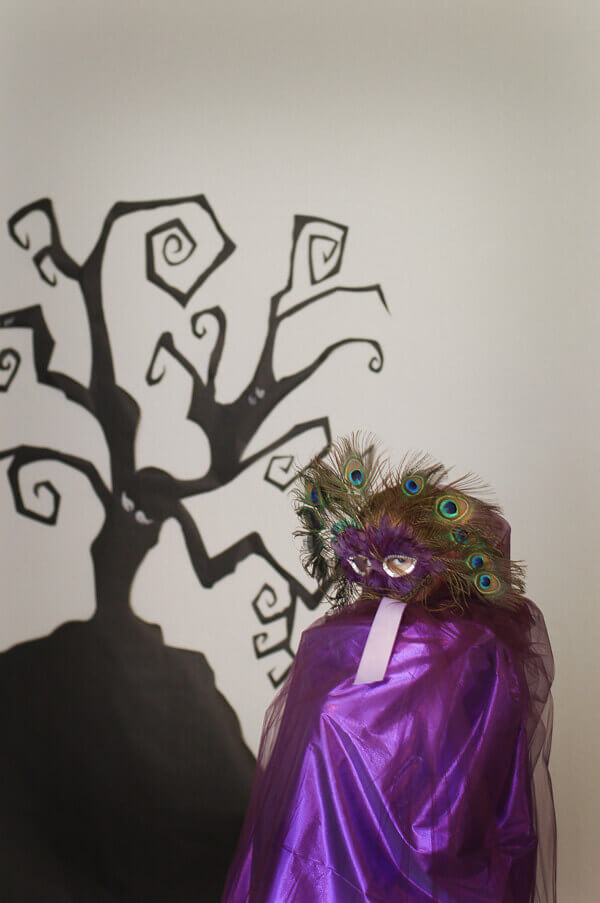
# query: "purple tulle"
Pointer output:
{"type": "Point", "coordinates": [431, 785]}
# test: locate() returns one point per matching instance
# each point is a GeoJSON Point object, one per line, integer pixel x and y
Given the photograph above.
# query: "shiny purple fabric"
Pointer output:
{"type": "Point", "coordinates": [431, 785]}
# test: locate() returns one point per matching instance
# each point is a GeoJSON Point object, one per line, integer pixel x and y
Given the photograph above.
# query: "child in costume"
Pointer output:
{"type": "Point", "coordinates": [405, 759]}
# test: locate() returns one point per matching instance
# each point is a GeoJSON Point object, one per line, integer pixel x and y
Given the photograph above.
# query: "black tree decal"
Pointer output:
{"type": "Point", "coordinates": [139, 501]}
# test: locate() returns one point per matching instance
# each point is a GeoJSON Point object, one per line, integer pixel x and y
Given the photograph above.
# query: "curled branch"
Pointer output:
{"type": "Point", "coordinates": [376, 362]}
{"type": "Point", "coordinates": [43, 346]}
{"type": "Point", "coordinates": [154, 378]}
{"type": "Point", "coordinates": [288, 383]}
{"type": "Point", "coordinates": [166, 343]}
{"type": "Point", "coordinates": [10, 360]}
{"type": "Point", "coordinates": [200, 331]}
{"type": "Point", "coordinates": [54, 494]}
{"type": "Point", "coordinates": [54, 249]}
{"type": "Point", "coordinates": [23, 455]}
{"type": "Point", "coordinates": [39, 259]}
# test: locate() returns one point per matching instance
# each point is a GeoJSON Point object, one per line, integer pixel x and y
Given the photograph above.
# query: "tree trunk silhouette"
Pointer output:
{"type": "Point", "coordinates": [117, 553]}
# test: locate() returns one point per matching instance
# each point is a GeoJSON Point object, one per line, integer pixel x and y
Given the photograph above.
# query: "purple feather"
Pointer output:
{"type": "Point", "coordinates": [377, 542]}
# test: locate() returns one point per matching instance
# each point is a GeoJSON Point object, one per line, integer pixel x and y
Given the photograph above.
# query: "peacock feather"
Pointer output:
{"type": "Point", "coordinates": [408, 532]}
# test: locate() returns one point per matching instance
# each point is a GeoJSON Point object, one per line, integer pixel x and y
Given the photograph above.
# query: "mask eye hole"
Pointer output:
{"type": "Point", "coordinates": [359, 564]}
{"type": "Point", "coordinates": [398, 565]}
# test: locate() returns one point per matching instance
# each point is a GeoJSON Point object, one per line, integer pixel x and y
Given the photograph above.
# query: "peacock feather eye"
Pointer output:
{"type": "Point", "coordinates": [314, 496]}
{"type": "Point", "coordinates": [315, 544]}
{"type": "Point", "coordinates": [477, 561]}
{"type": "Point", "coordinates": [452, 507]}
{"type": "Point", "coordinates": [487, 583]}
{"type": "Point", "coordinates": [310, 518]}
{"type": "Point", "coordinates": [413, 485]}
{"type": "Point", "coordinates": [459, 535]}
{"type": "Point", "coordinates": [354, 473]}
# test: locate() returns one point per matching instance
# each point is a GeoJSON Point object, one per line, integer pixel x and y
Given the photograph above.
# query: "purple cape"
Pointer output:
{"type": "Point", "coordinates": [431, 786]}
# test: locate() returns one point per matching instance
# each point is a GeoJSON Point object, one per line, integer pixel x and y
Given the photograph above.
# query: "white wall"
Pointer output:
{"type": "Point", "coordinates": [459, 142]}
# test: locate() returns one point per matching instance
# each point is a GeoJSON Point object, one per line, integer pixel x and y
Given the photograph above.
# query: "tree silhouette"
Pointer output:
{"type": "Point", "coordinates": [139, 501]}
{"type": "Point", "coordinates": [140, 773]}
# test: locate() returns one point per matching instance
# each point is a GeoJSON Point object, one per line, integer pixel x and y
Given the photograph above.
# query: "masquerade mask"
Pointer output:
{"type": "Point", "coordinates": [409, 533]}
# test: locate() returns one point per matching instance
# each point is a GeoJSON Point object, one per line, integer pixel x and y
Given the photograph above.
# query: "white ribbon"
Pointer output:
{"type": "Point", "coordinates": [380, 641]}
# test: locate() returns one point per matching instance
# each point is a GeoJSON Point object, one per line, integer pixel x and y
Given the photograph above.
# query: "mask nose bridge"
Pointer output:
{"type": "Point", "coordinates": [375, 561]}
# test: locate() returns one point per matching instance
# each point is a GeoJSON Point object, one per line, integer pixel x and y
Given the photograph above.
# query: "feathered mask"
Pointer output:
{"type": "Point", "coordinates": [408, 533]}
